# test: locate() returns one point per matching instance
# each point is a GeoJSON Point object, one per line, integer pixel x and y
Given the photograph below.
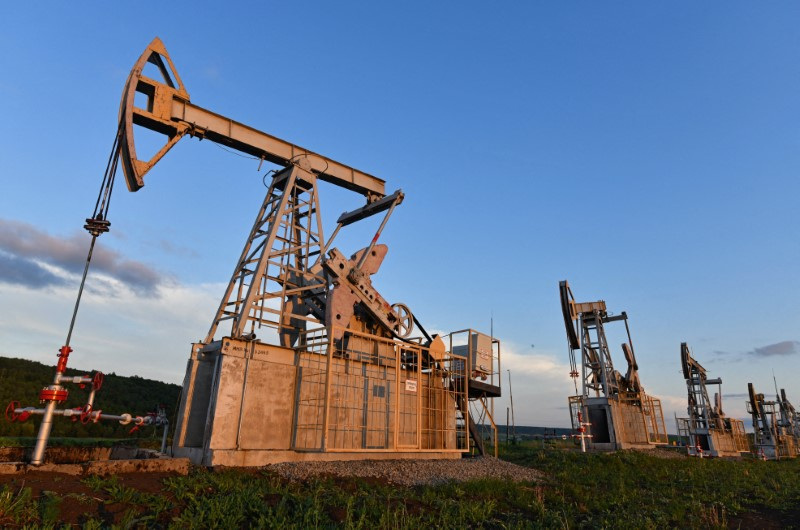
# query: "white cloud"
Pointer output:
{"type": "Point", "coordinates": [540, 384]}
{"type": "Point", "coordinates": [123, 333]}
{"type": "Point", "coordinates": [535, 364]}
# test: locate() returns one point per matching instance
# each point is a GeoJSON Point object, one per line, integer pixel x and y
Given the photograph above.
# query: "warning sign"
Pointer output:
{"type": "Point", "coordinates": [411, 385]}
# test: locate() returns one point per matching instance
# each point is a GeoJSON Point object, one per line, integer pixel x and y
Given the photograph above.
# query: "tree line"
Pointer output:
{"type": "Point", "coordinates": [21, 380]}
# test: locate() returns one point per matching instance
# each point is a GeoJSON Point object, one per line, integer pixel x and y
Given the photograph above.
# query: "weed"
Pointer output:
{"type": "Point", "coordinates": [96, 482]}
{"type": "Point", "coordinates": [49, 507]}
{"type": "Point", "coordinates": [713, 516]}
{"type": "Point", "coordinates": [121, 494]}
{"type": "Point", "coordinates": [92, 524]}
{"type": "Point", "coordinates": [82, 498]}
{"type": "Point", "coordinates": [16, 507]}
{"type": "Point", "coordinates": [619, 490]}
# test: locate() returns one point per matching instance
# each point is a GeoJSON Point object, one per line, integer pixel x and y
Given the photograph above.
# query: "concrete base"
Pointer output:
{"type": "Point", "coordinates": [784, 449]}
{"type": "Point", "coordinates": [234, 458]}
{"type": "Point", "coordinates": [252, 404]}
{"type": "Point", "coordinates": [713, 444]}
{"type": "Point", "coordinates": [150, 465]}
{"type": "Point", "coordinates": [617, 425]}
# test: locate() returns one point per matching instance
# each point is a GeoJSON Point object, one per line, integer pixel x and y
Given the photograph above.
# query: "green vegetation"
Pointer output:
{"type": "Point", "coordinates": [639, 490]}
{"type": "Point", "coordinates": [21, 380]}
{"type": "Point", "coordinates": [621, 490]}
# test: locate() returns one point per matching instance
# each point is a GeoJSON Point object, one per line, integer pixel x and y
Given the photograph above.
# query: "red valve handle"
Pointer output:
{"type": "Point", "coordinates": [12, 416]}
{"type": "Point", "coordinates": [97, 381]}
{"type": "Point", "coordinates": [86, 414]}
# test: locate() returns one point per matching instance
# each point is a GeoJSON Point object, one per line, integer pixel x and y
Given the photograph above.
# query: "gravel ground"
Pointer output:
{"type": "Point", "coordinates": [410, 472]}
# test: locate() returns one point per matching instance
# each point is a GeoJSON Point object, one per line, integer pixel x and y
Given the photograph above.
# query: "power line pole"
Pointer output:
{"type": "Point", "coordinates": [513, 422]}
{"type": "Point", "coordinates": [507, 424]}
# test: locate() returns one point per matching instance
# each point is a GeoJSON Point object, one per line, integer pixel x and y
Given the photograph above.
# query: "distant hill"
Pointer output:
{"type": "Point", "coordinates": [21, 380]}
{"type": "Point", "coordinates": [524, 432]}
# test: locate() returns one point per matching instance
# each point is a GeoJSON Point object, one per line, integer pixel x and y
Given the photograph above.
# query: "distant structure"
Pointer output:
{"type": "Point", "coordinates": [774, 425]}
{"type": "Point", "coordinates": [617, 410]}
{"type": "Point", "coordinates": [790, 418]}
{"type": "Point", "coordinates": [707, 432]}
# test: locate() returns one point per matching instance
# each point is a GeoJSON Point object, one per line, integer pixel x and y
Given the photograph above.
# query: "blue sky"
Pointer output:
{"type": "Point", "coordinates": [646, 152]}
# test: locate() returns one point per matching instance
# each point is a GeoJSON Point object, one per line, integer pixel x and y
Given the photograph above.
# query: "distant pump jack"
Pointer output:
{"type": "Point", "coordinates": [611, 409]}
{"type": "Point", "coordinates": [775, 424]}
{"type": "Point", "coordinates": [707, 432]}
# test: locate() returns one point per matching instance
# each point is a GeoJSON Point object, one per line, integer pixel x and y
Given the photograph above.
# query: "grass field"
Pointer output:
{"type": "Point", "coordinates": [620, 490]}
{"type": "Point", "coordinates": [639, 490]}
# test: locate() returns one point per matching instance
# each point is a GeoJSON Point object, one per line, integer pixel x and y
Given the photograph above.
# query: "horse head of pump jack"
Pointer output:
{"type": "Point", "coordinates": [161, 104]}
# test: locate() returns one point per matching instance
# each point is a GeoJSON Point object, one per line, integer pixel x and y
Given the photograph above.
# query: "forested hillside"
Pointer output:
{"type": "Point", "coordinates": [21, 380]}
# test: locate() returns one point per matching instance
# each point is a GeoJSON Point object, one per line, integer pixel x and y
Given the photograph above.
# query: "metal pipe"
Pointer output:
{"type": "Point", "coordinates": [40, 412]}
{"type": "Point", "coordinates": [164, 437]}
{"type": "Point", "coordinates": [377, 235]}
{"type": "Point", "coordinates": [78, 379]}
{"type": "Point", "coordinates": [44, 434]}
{"type": "Point", "coordinates": [47, 420]}
{"type": "Point", "coordinates": [80, 289]}
{"type": "Point", "coordinates": [584, 390]}
{"type": "Point", "coordinates": [507, 420]}
{"type": "Point", "coordinates": [124, 419]}
{"type": "Point", "coordinates": [248, 354]}
{"type": "Point", "coordinates": [511, 396]}
{"type": "Point", "coordinates": [327, 245]}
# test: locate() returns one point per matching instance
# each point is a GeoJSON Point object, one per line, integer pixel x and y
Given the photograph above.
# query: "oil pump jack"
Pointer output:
{"type": "Point", "coordinates": [707, 431]}
{"type": "Point", "coordinates": [618, 412]}
{"type": "Point", "coordinates": [774, 437]}
{"type": "Point", "coordinates": [789, 417]}
{"type": "Point", "coordinates": [316, 364]}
